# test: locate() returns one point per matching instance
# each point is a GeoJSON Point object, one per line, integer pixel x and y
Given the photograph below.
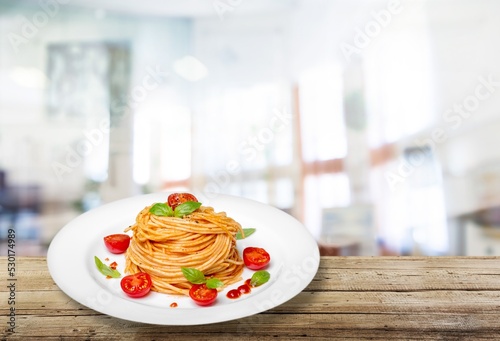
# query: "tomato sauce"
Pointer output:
{"type": "Point", "coordinates": [233, 294]}
{"type": "Point", "coordinates": [173, 305]}
{"type": "Point", "coordinates": [243, 289]}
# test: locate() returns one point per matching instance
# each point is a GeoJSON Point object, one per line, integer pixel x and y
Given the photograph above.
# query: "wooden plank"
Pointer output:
{"type": "Point", "coordinates": [32, 274]}
{"type": "Point", "coordinates": [404, 262]}
{"type": "Point", "coordinates": [405, 279]}
{"type": "Point", "coordinates": [289, 326]}
{"type": "Point", "coordinates": [400, 298]}
{"type": "Point", "coordinates": [53, 303]}
{"type": "Point", "coordinates": [346, 273]}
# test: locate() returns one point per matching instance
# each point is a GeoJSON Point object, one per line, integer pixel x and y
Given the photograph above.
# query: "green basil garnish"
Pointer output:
{"type": "Point", "coordinates": [164, 210]}
{"type": "Point", "coordinates": [259, 278]}
{"type": "Point", "coordinates": [186, 208]}
{"type": "Point", "coordinates": [214, 283]}
{"type": "Point", "coordinates": [161, 209]}
{"type": "Point", "coordinates": [195, 276]}
{"type": "Point", "coordinates": [106, 270]}
{"type": "Point", "coordinates": [246, 233]}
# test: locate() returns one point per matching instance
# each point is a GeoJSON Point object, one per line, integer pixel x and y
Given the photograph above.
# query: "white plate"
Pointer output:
{"type": "Point", "coordinates": [294, 263]}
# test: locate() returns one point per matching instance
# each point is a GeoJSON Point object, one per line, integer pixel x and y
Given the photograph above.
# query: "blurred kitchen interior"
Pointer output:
{"type": "Point", "coordinates": [375, 123]}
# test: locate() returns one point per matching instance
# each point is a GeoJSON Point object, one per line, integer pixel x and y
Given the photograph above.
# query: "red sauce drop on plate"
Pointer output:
{"type": "Point", "coordinates": [244, 289]}
{"type": "Point", "coordinates": [233, 294]}
{"type": "Point", "coordinates": [173, 305]}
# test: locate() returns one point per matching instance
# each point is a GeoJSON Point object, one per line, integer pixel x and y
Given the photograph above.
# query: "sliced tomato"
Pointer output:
{"type": "Point", "coordinates": [202, 295]}
{"type": "Point", "coordinates": [175, 199]}
{"type": "Point", "coordinates": [255, 258]}
{"type": "Point", "coordinates": [117, 243]}
{"type": "Point", "coordinates": [136, 285]}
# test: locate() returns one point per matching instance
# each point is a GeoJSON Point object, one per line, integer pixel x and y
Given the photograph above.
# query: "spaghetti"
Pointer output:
{"type": "Point", "coordinates": [204, 240]}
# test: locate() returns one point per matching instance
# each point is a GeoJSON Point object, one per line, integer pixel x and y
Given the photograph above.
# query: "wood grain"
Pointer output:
{"type": "Point", "coordinates": [350, 298]}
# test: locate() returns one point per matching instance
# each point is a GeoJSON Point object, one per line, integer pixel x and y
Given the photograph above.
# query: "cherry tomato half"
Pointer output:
{"type": "Point", "coordinates": [175, 199]}
{"type": "Point", "coordinates": [117, 243]}
{"type": "Point", "coordinates": [136, 285]}
{"type": "Point", "coordinates": [256, 258]}
{"type": "Point", "coordinates": [202, 295]}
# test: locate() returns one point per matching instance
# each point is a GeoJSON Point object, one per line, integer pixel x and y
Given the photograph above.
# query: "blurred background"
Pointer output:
{"type": "Point", "coordinates": [375, 123]}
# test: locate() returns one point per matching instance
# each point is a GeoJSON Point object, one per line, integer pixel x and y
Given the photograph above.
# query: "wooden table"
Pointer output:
{"type": "Point", "coordinates": [379, 298]}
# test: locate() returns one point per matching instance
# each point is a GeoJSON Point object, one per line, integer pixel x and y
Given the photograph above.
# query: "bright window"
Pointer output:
{"type": "Point", "coordinates": [399, 84]}
{"type": "Point", "coordinates": [162, 144]}
{"type": "Point", "coordinates": [324, 191]}
{"type": "Point", "coordinates": [322, 119]}
{"type": "Point", "coordinates": [243, 142]}
{"type": "Point", "coordinates": [176, 144]}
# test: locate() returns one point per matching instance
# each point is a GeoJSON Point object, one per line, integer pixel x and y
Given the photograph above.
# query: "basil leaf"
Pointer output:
{"type": "Point", "coordinates": [161, 209]}
{"type": "Point", "coordinates": [186, 208]}
{"type": "Point", "coordinates": [193, 275]}
{"type": "Point", "coordinates": [259, 278]}
{"type": "Point", "coordinates": [214, 283]}
{"type": "Point", "coordinates": [106, 270]}
{"type": "Point", "coordinates": [246, 232]}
